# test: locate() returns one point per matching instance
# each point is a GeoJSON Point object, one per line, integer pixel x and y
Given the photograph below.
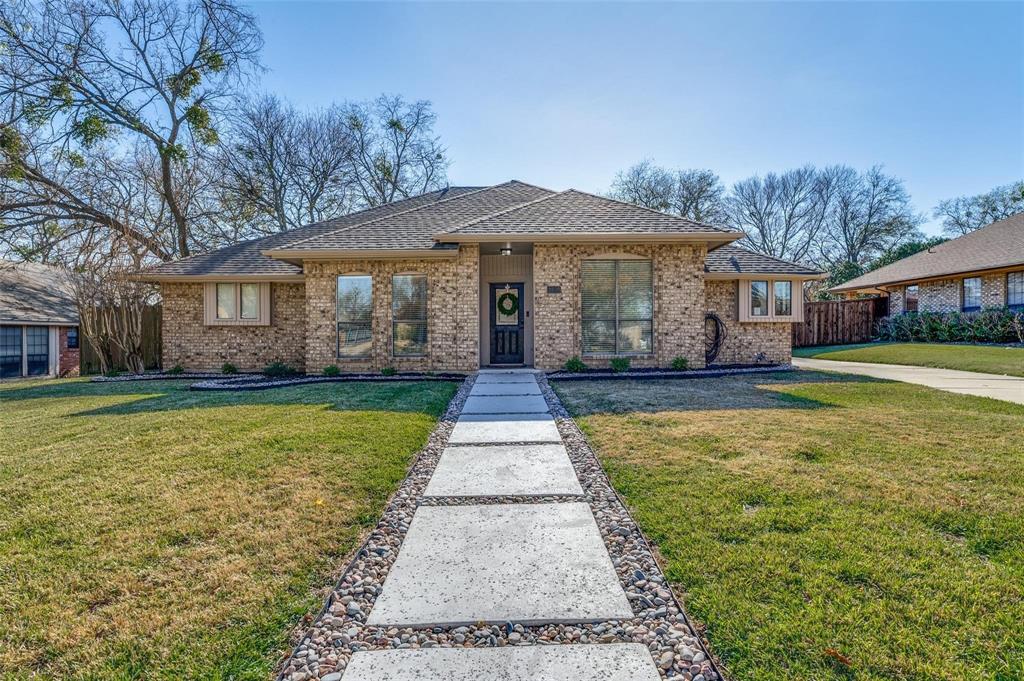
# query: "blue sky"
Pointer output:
{"type": "Point", "coordinates": [563, 95]}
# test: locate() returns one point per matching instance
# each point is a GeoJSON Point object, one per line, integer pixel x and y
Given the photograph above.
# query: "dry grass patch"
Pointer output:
{"type": "Point", "coordinates": [152, 532]}
{"type": "Point", "coordinates": [825, 526]}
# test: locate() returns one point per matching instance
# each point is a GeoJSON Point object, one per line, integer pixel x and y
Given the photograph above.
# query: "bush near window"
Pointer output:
{"type": "Point", "coordinates": [389, 371]}
{"type": "Point", "coordinates": [620, 364]}
{"type": "Point", "coordinates": [228, 368]}
{"type": "Point", "coordinates": [575, 365]}
{"type": "Point", "coordinates": [332, 370]}
{"type": "Point", "coordinates": [680, 363]}
{"type": "Point", "coordinates": [991, 325]}
{"type": "Point", "coordinates": [278, 370]}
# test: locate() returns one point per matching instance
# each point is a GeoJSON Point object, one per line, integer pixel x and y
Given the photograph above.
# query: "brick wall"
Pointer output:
{"type": "Point", "coordinates": [188, 342]}
{"type": "Point", "coordinates": [897, 300]}
{"type": "Point", "coordinates": [68, 359]}
{"type": "Point", "coordinates": [946, 295]}
{"type": "Point", "coordinates": [746, 341]}
{"type": "Point", "coordinates": [452, 319]}
{"type": "Point", "coordinates": [678, 271]}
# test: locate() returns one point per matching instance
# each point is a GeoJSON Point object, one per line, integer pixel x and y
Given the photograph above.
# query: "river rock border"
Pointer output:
{"type": "Point", "coordinates": [661, 374]}
{"type": "Point", "coordinates": [658, 623]}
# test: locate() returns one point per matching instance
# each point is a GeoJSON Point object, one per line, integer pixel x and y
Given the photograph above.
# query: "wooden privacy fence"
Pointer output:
{"type": "Point", "coordinates": [835, 322]}
{"type": "Point", "coordinates": [151, 317]}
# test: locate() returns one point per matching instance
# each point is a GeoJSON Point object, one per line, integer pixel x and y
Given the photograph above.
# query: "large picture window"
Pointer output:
{"type": "Point", "coordinates": [355, 308]}
{"type": "Point", "coordinates": [409, 314]}
{"type": "Point", "coordinates": [1015, 289]}
{"type": "Point", "coordinates": [617, 307]}
{"type": "Point", "coordinates": [972, 293]}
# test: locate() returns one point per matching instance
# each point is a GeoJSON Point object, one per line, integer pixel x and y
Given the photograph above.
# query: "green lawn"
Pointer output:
{"type": "Point", "coordinates": [151, 532]}
{"type": "Point", "coordinates": [989, 359]}
{"type": "Point", "coordinates": [824, 526]}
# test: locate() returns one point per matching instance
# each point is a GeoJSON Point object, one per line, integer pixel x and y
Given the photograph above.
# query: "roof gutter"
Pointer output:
{"type": "Point", "coordinates": [186, 278]}
{"type": "Point", "coordinates": [730, 276]}
{"type": "Point", "coordinates": [847, 287]}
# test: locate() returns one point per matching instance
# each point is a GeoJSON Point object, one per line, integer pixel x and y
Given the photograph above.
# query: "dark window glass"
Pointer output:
{"type": "Point", "coordinates": [409, 314]}
{"type": "Point", "coordinates": [355, 307]}
{"type": "Point", "coordinates": [972, 293]}
{"type": "Point", "coordinates": [910, 298]}
{"type": "Point", "coordinates": [72, 338]}
{"type": "Point", "coordinates": [1015, 289]}
{"type": "Point", "coordinates": [617, 307]}
{"type": "Point", "coordinates": [759, 298]}
{"type": "Point", "coordinates": [10, 351]}
{"type": "Point", "coordinates": [37, 348]}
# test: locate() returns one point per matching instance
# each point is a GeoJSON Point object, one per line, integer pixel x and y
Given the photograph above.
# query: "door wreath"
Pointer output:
{"type": "Point", "coordinates": [508, 304]}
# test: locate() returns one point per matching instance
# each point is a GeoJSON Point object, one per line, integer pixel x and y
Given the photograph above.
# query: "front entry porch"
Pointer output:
{"type": "Point", "coordinates": [506, 306]}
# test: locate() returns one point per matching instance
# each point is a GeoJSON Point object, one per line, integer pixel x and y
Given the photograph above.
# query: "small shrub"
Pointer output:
{"type": "Point", "coordinates": [173, 371]}
{"type": "Point", "coordinates": [388, 371]}
{"type": "Point", "coordinates": [114, 373]}
{"type": "Point", "coordinates": [991, 325]}
{"type": "Point", "coordinates": [620, 364]}
{"type": "Point", "coordinates": [575, 365]}
{"type": "Point", "coordinates": [228, 368]}
{"type": "Point", "coordinates": [332, 370]}
{"type": "Point", "coordinates": [680, 364]}
{"type": "Point", "coordinates": [278, 370]}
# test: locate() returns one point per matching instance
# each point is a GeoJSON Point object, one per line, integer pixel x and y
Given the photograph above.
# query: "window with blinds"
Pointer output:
{"type": "Point", "coordinates": [1015, 289]}
{"type": "Point", "coordinates": [355, 308]}
{"type": "Point", "coordinates": [617, 299]}
{"type": "Point", "coordinates": [972, 294]}
{"type": "Point", "coordinates": [409, 315]}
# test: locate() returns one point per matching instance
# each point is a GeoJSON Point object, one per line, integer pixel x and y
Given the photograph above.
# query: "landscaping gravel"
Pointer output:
{"type": "Point", "coordinates": [658, 620]}
{"type": "Point", "coordinates": [658, 374]}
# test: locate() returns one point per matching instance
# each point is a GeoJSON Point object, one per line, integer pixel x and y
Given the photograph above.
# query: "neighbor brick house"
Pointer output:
{"type": "Point", "coordinates": [982, 269]}
{"type": "Point", "coordinates": [466, 277]}
{"type": "Point", "coordinates": [38, 322]}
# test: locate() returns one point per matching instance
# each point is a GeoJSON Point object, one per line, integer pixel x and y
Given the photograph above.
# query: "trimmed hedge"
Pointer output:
{"type": "Point", "coordinates": [991, 325]}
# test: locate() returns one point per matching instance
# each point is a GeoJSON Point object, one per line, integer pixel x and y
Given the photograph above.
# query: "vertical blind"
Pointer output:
{"type": "Point", "coordinates": [355, 311]}
{"type": "Point", "coordinates": [409, 314]}
{"type": "Point", "coordinates": [617, 299]}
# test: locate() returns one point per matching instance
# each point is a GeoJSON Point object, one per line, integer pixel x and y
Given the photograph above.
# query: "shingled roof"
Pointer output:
{"type": "Point", "coordinates": [573, 212]}
{"type": "Point", "coordinates": [731, 259]}
{"type": "Point", "coordinates": [31, 293]}
{"type": "Point", "coordinates": [435, 222]}
{"type": "Point", "coordinates": [992, 247]}
{"type": "Point", "coordinates": [247, 260]}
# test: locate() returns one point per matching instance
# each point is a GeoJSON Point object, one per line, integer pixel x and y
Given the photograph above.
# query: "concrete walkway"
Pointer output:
{"type": "Point", "coordinates": [1008, 388]}
{"type": "Point", "coordinates": [494, 562]}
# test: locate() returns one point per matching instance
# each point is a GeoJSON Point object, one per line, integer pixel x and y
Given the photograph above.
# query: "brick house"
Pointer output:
{"type": "Point", "coordinates": [38, 322]}
{"type": "Point", "coordinates": [982, 269]}
{"type": "Point", "coordinates": [466, 277]}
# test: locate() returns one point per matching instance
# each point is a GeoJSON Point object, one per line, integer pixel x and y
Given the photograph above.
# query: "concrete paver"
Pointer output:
{"type": "Point", "coordinates": [504, 470]}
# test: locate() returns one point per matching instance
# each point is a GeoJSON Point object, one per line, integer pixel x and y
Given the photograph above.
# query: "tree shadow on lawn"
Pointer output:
{"type": "Point", "coordinates": [741, 391]}
{"type": "Point", "coordinates": [133, 397]}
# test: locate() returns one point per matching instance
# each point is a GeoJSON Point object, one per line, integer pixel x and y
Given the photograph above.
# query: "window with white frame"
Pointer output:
{"type": "Point", "coordinates": [355, 316]}
{"type": "Point", "coordinates": [972, 294]}
{"type": "Point", "coordinates": [617, 307]}
{"type": "Point", "coordinates": [1015, 289]}
{"type": "Point", "coordinates": [238, 303]}
{"type": "Point", "coordinates": [770, 300]}
{"type": "Point", "coordinates": [409, 315]}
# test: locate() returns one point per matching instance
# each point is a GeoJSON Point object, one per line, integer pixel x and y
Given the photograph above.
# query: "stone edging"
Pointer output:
{"type": "Point", "coordinates": [659, 623]}
{"type": "Point", "coordinates": [667, 373]}
{"type": "Point", "coordinates": [263, 383]}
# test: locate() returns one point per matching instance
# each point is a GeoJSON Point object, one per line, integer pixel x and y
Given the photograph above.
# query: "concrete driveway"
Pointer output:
{"type": "Point", "coordinates": [1008, 388]}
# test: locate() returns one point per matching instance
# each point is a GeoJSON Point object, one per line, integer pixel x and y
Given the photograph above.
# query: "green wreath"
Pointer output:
{"type": "Point", "coordinates": [508, 304]}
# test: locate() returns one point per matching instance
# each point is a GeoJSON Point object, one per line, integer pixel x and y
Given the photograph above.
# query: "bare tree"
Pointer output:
{"type": "Point", "coordinates": [700, 196]}
{"type": "Point", "coordinates": [395, 153]}
{"type": "Point", "coordinates": [644, 184]}
{"type": "Point", "coordinates": [781, 214]}
{"type": "Point", "coordinates": [965, 214]}
{"type": "Point", "coordinates": [75, 74]}
{"type": "Point", "coordinates": [286, 167]}
{"type": "Point", "coordinates": [869, 213]}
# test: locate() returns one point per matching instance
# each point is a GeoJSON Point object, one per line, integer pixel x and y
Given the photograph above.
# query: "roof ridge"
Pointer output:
{"type": "Point", "coordinates": [391, 215]}
{"type": "Point", "coordinates": [650, 210]}
{"type": "Point", "coordinates": [506, 210]}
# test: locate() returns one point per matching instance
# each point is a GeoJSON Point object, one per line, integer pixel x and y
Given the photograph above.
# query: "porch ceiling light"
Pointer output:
{"type": "Point", "coordinates": [506, 249]}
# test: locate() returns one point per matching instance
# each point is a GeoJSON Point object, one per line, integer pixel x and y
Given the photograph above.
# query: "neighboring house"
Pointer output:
{"type": "Point", "coordinates": [984, 268]}
{"type": "Point", "coordinates": [38, 322]}
{"type": "Point", "coordinates": [476, 276]}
